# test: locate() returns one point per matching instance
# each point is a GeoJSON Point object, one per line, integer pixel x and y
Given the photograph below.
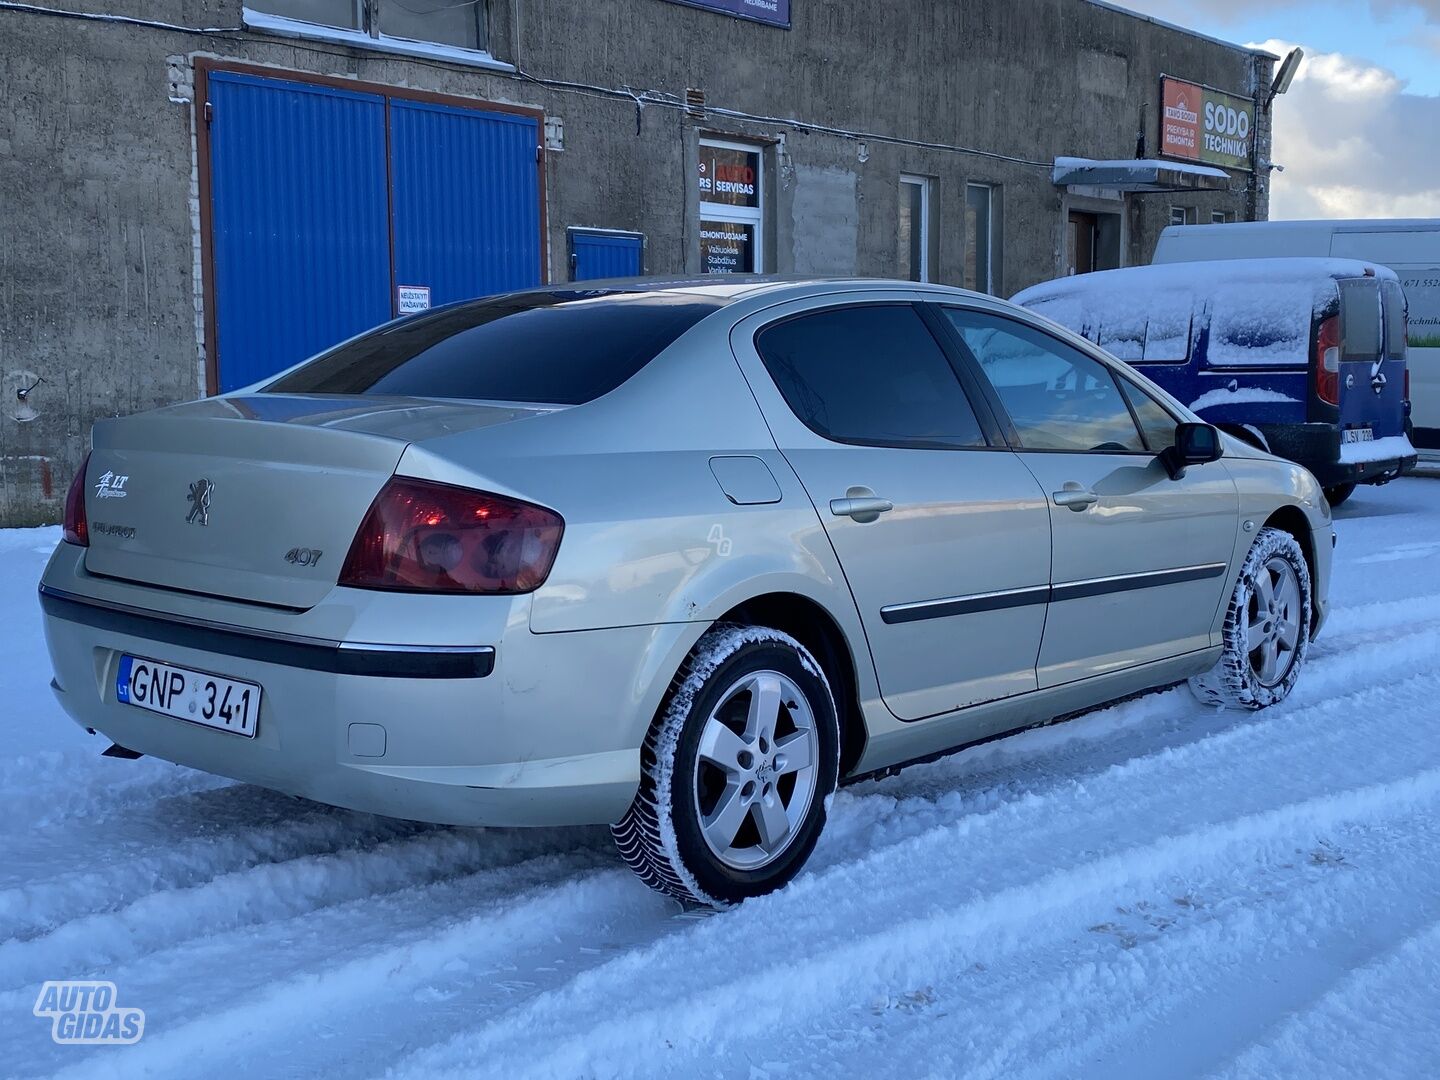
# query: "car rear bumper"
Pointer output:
{"type": "Point", "coordinates": [539, 729]}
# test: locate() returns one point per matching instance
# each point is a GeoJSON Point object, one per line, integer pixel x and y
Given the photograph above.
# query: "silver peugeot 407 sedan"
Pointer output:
{"type": "Point", "coordinates": [673, 557]}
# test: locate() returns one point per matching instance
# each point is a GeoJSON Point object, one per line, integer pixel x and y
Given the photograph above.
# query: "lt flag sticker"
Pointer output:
{"type": "Point", "coordinates": [1201, 124]}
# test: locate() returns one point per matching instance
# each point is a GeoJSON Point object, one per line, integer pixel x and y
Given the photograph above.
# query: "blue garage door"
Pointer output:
{"type": "Point", "coordinates": [601, 254]}
{"type": "Point", "coordinates": [324, 200]}
{"type": "Point", "coordinates": [467, 219]}
{"type": "Point", "coordinates": [299, 226]}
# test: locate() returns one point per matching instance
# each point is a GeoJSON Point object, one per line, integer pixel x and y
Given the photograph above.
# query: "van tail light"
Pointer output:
{"type": "Point", "coordinates": [420, 536]}
{"type": "Point", "coordinates": [1327, 360]}
{"type": "Point", "coordinates": [77, 529]}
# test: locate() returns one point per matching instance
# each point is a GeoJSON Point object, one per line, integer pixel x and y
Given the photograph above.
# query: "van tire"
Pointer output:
{"type": "Point", "coordinates": [1338, 494]}
{"type": "Point", "coordinates": [1275, 568]}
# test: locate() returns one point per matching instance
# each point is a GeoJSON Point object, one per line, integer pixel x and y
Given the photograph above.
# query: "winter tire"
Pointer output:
{"type": "Point", "coordinates": [1267, 627]}
{"type": "Point", "coordinates": [1338, 494]}
{"type": "Point", "coordinates": [735, 771]}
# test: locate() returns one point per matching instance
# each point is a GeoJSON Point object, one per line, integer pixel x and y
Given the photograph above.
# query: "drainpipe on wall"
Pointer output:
{"type": "Point", "coordinates": [1252, 190]}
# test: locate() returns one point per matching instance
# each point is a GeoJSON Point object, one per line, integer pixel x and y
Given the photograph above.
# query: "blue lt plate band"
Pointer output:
{"type": "Point", "coordinates": [122, 679]}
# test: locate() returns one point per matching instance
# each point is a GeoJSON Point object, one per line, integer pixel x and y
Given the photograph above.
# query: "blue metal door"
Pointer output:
{"type": "Point", "coordinates": [595, 253]}
{"type": "Point", "coordinates": [325, 202]}
{"type": "Point", "coordinates": [299, 232]}
{"type": "Point", "coordinates": [466, 200]}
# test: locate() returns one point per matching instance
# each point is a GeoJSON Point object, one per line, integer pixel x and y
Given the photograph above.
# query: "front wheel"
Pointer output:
{"type": "Point", "coordinates": [735, 770]}
{"type": "Point", "coordinates": [1267, 627]}
{"type": "Point", "coordinates": [1338, 493]}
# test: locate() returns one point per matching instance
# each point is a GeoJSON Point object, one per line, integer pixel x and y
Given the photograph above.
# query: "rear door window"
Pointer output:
{"type": "Point", "coordinates": [872, 375]}
{"type": "Point", "coordinates": [559, 347]}
{"type": "Point", "coordinates": [1360, 326]}
{"type": "Point", "coordinates": [1057, 397]}
{"type": "Point", "coordinates": [1395, 322]}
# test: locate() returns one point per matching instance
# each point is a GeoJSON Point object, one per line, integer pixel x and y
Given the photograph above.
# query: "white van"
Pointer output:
{"type": "Point", "coordinates": [1410, 247]}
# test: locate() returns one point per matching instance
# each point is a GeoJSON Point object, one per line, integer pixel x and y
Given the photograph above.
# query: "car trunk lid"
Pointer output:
{"type": "Point", "coordinates": [256, 497]}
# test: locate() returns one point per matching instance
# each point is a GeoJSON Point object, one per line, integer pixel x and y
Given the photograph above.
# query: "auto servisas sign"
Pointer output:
{"type": "Point", "coordinates": [1198, 123]}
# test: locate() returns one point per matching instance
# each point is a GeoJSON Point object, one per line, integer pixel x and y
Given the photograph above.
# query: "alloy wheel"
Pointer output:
{"type": "Point", "coordinates": [755, 770]}
{"type": "Point", "coordinates": [1273, 633]}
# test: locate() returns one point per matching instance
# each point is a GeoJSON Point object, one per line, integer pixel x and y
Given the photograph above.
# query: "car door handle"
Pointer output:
{"type": "Point", "coordinates": [861, 509]}
{"type": "Point", "coordinates": [1076, 497]}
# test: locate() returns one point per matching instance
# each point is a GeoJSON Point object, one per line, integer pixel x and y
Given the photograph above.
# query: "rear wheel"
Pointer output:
{"type": "Point", "coordinates": [1339, 493]}
{"type": "Point", "coordinates": [1267, 627]}
{"type": "Point", "coordinates": [735, 770]}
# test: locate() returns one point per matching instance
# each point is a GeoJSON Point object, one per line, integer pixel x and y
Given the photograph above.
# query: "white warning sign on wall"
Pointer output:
{"type": "Point", "coordinates": [412, 298]}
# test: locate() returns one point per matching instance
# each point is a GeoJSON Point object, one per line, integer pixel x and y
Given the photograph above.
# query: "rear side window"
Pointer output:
{"type": "Point", "coordinates": [872, 375]}
{"type": "Point", "coordinates": [1395, 312]}
{"type": "Point", "coordinates": [1257, 325]}
{"type": "Point", "coordinates": [558, 347]}
{"type": "Point", "coordinates": [1360, 325]}
{"type": "Point", "coordinates": [1167, 334]}
{"type": "Point", "coordinates": [1149, 329]}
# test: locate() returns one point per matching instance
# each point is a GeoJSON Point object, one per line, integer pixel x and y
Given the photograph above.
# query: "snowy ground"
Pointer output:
{"type": "Point", "coordinates": [1150, 890]}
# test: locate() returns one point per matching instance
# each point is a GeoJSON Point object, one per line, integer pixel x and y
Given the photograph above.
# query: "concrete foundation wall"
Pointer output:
{"type": "Point", "coordinates": [100, 294]}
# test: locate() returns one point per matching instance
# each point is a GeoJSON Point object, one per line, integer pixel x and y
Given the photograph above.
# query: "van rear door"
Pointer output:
{"type": "Point", "coordinates": [1371, 381]}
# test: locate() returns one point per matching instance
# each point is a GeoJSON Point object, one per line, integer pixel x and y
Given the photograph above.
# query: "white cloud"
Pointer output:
{"type": "Point", "coordinates": [1354, 142]}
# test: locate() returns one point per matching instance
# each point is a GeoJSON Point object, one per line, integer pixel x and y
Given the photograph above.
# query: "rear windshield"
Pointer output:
{"type": "Point", "coordinates": [558, 347]}
{"type": "Point", "coordinates": [1360, 320]}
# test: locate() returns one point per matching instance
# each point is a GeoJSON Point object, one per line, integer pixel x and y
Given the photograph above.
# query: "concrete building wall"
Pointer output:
{"type": "Point", "coordinates": [100, 294]}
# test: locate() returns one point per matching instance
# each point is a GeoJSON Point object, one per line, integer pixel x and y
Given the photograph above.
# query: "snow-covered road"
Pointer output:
{"type": "Point", "coordinates": [1151, 890]}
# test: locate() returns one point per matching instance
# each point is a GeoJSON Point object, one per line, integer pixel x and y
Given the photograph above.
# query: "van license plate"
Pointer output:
{"type": "Point", "coordinates": [210, 700]}
{"type": "Point", "coordinates": [1357, 434]}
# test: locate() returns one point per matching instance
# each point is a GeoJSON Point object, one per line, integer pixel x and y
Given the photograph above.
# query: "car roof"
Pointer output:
{"type": "Point", "coordinates": [728, 288]}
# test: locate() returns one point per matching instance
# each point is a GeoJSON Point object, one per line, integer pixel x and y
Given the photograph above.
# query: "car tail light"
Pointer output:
{"type": "Point", "coordinates": [77, 529]}
{"type": "Point", "coordinates": [421, 536]}
{"type": "Point", "coordinates": [1327, 360]}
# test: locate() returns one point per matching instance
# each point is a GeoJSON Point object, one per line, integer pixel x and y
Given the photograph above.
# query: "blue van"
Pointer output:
{"type": "Point", "coordinates": [1304, 358]}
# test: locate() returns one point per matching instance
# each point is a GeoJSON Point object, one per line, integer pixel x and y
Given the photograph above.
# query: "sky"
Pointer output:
{"type": "Point", "coordinates": [1359, 131]}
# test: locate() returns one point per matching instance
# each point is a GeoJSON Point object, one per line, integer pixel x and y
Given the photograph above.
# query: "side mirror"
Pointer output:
{"type": "Point", "coordinates": [1195, 444]}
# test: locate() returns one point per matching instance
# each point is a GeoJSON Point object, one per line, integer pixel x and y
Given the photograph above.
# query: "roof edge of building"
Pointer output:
{"type": "Point", "coordinates": [1248, 50]}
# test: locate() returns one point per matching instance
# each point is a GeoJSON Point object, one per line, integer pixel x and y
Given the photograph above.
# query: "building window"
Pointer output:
{"type": "Point", "coordinates": [731, 218]}
{"type": "Point", "coordinates": [914, 231]}
{"type": "Point", "coordinates": [1182, 215]}
{"type": "Point", "coordinates": [443, 22]}
{"type": "Point", "coordinates": [1218, 217]}
{"type": "Point", "coordinates": [983, 233]}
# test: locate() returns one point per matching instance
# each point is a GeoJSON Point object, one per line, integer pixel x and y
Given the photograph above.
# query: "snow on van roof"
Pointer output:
{"type": "Point", "coordinates": [1260, 309]}
{"type": "Point", "coordinates": [1329, 225]}
{"type": "Point", "coordinates": [1201, 277]}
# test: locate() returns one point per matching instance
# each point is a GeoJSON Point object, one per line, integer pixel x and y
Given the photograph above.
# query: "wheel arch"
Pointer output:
{"type": "Point", "coordinates": [809, 623]}
{"type": "Point", "coordinates": [1292, 520]}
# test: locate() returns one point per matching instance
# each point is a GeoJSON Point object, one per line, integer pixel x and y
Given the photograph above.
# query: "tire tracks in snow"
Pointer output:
{"type": "Point", "coordinates": [267, 892]}
{"type": "Point", "coordinates": [973, 888]}
{"type": "Point", "coordinates": [915, 950]}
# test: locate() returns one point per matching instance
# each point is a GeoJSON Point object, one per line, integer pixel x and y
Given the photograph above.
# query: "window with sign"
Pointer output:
{"type": "Point", "coordinates": [730, 177]}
